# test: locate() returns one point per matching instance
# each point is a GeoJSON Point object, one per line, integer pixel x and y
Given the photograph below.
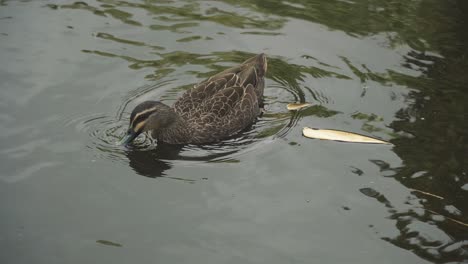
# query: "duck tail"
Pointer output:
{"type": "Point", "coordinates": [260, 64]}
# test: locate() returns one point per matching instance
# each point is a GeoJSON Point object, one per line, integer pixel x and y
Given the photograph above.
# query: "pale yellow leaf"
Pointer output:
{"type": "Point", "coordinates": [337, 135]}
{"type": "Point", "coordinates": [294, 106]}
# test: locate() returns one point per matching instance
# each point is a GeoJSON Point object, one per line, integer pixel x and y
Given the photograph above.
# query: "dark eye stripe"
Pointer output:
{"type": "Point", "coordinates": [141, 118]}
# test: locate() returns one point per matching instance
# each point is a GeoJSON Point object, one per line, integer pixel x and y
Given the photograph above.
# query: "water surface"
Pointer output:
{"type": "Point", "coordinates": [71, 73]}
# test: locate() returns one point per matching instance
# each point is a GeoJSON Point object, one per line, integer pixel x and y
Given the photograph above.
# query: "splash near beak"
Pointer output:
{"type": "Point", "coordinates": [131, 135]}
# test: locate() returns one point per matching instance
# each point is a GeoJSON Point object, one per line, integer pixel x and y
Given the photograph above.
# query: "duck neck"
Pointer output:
{"type": "Point", "coordinates": [177, 132]}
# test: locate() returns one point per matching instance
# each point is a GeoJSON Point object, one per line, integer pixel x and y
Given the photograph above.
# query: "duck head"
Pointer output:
{"type": "Point", "coordinates": [148, 116]}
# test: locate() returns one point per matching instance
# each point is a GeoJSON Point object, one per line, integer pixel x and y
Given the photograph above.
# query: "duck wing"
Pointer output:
{"type": "Point", "coordinates": [226, 113]}
{"type": "Point", "coordinates": [232, 100]}
{"type": "Point", "coordinates": [251, 72]}
{"type": "Point", "coordinates": [188, 105]}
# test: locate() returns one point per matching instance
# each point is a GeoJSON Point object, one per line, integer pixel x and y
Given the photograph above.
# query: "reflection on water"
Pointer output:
{"type": "Point", "coordinates": [408, 86]}
{"type": "Point", "coordinates": [435, 158]}
{"type": "Point", "coordinates": [153, 163]}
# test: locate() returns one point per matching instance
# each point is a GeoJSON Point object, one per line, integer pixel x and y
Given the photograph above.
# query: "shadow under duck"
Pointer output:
{"type": "Point", "coordinates": [215, 109]}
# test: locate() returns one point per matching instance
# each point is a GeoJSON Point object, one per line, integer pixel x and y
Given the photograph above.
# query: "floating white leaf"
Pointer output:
{"type": "Point", "coordinates": [337, 135]}
{"type": "Point", "coordinates": [294, 106]}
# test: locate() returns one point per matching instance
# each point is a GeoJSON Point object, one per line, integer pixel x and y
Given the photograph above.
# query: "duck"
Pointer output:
{"type": "Point", "coordinates": [215, 109]}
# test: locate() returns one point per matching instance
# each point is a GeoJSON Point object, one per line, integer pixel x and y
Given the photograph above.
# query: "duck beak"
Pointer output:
{"type": "Point", "coordinates": [131, 135]}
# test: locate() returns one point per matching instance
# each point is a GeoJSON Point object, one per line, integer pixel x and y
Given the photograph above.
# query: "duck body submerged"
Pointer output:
{"type": "Point", "coordinates": [215, 109]}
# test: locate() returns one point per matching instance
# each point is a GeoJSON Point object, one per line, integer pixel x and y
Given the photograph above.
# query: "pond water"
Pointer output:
{"type": "Point", "coordinates": [71, 73]}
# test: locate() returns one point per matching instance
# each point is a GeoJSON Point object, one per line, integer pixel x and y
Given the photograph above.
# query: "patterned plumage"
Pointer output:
{"type": "Point", "coordinates": [219, 107]}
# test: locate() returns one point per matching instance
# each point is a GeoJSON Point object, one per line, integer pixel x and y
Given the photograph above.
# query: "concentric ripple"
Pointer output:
{"type": "Point", "coordinates": [103, 132]}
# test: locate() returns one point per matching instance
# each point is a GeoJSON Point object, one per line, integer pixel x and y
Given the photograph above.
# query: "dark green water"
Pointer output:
{"type": "Point", "coordinates": [71, 72]}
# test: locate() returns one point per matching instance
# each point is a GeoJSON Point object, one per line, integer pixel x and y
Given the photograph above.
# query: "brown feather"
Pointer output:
{"type": "Point", "coordinates": [218, 107]}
